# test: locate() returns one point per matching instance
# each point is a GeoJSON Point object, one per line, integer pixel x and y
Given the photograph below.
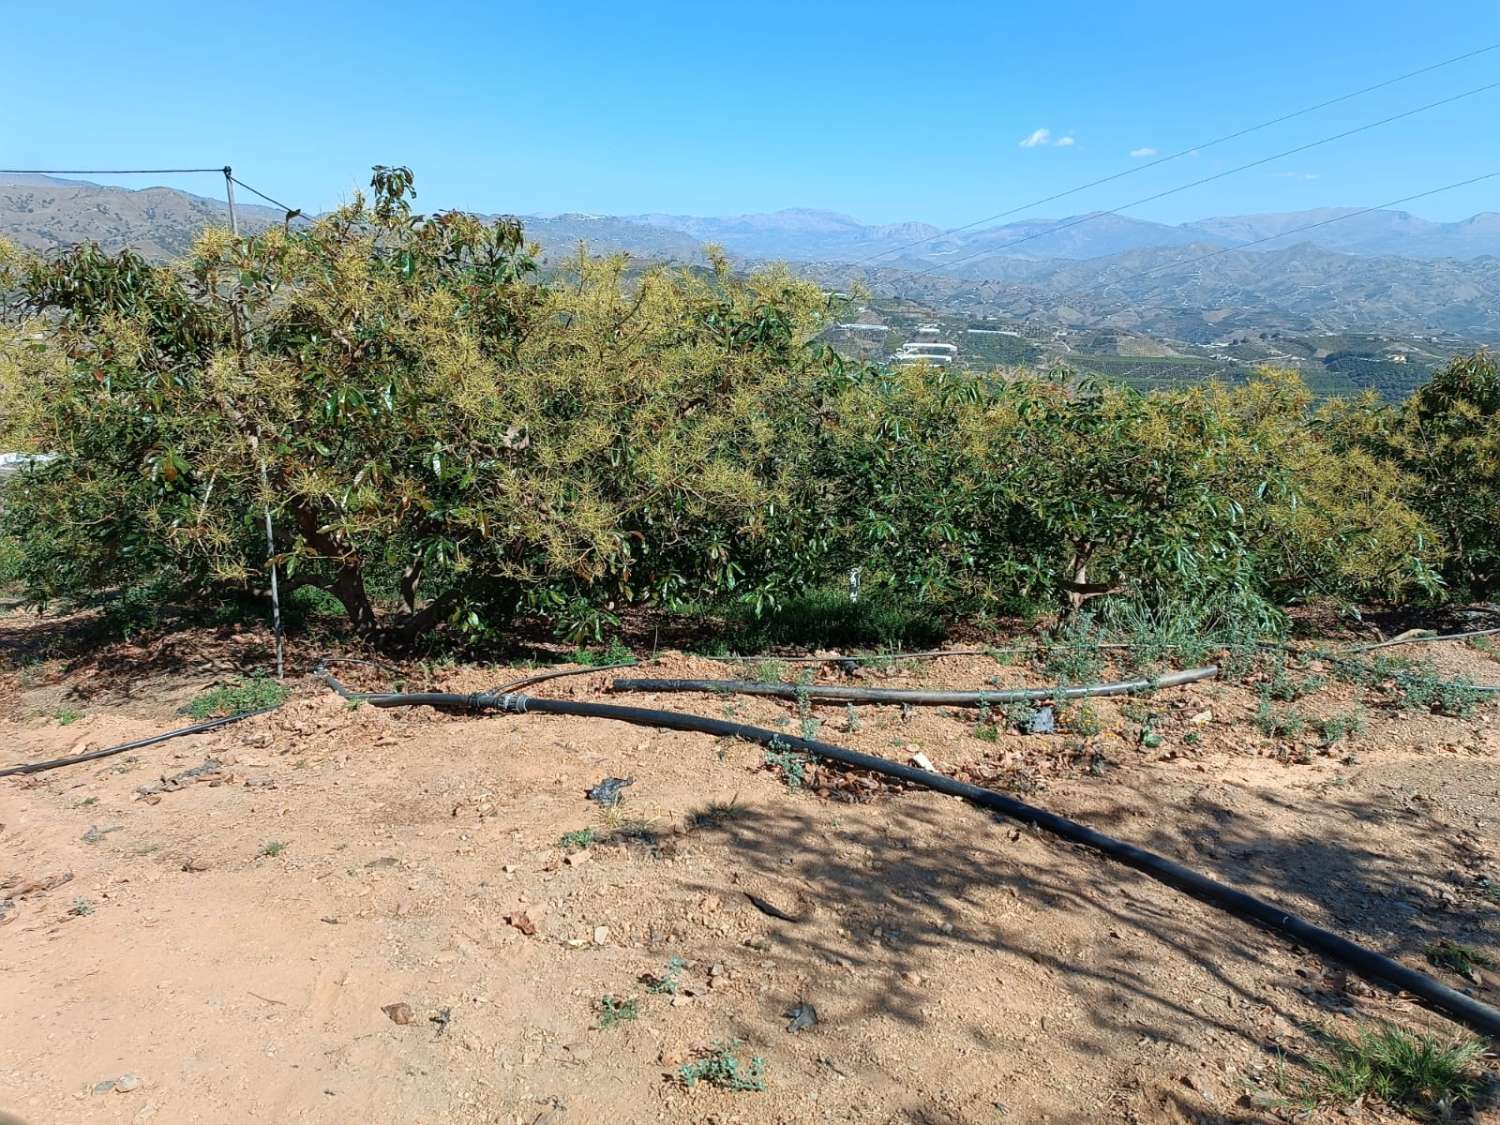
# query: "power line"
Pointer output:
{"type": "Point", "coordinates": [1299, 230]}
{"type": "Point", "coordinates": [105, 171]}
{"type": "Point", "coordinates": [1136, 168]}
{"type": "Point", "coordinates": [292, 212]}
{"type": "Point", "coordinates": [1209, 179]}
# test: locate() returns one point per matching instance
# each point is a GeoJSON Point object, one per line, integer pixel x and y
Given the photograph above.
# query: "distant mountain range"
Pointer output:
{"type": "Point", "coordinates": [1386, 270]}
{"type": "Point", "coordinates": [43, 213]}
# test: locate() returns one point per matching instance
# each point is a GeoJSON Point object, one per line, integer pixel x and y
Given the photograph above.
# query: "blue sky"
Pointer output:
{"type": "Point", "coordinates": [884, 111]}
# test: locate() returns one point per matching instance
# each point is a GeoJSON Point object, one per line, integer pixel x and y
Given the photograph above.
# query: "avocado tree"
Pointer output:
{"type": "Point", "coordinates": [439, 434]}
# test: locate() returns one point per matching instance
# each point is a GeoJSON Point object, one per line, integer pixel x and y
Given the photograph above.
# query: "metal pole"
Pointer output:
{"type": "Point", "coordinates": [234, 218]}
{"type": "Point", "coordinates": [265, 479]}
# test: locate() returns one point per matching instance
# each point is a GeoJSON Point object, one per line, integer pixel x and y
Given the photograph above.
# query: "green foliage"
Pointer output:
{"type": "Point", "coordinates": [272, 848]}
{"type": "Point", "coordinates": [826, 618]}
{"type": "Point", "coordinates": [1283, 685]}
{"type": "Point", "coordinates": [716, 813]}
{"type": "Point", "coordinates": [67, 716]}
{"type": "Point", "coordinates": [791, 764]}
{"type": "Point", "coordinates": [1278, 722]}
{"type": "Point", "coordinates": [670, 982]}
{"type": "Point", "coordinates": [430, 418]}
{"type": "Point", "coordinates": [1079, 718]}
{"type": "Point", "coordinates": [616, 652]}
{"type": "Point", "coordinates": [1335, 728]}
{"type": "Point", "coordinates": [723, 1068]}
{"type": "Point", "coordinates": [444, 438]}
{"type": "Point", "coordinates": [230, 699]}
{"type": "Point", "coordinates": [578, 839]}
{"type": "Point", "coordinates": [1461, 959]}
{"type": "Point", "coordinates": [1072, 652]}
{"type": "Point", "coordinates": [613, 1011]}
{"type": "Point", "coordinates": [1446, 438]}
{"type": "Point", "coordinates": [1413, 685]}
{"type": "Point", "coordinates": [1418, 1073]}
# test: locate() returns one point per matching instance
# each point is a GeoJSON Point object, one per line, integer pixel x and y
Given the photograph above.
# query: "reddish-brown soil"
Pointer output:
{"type": "Point", "coordinates": [962, 969]}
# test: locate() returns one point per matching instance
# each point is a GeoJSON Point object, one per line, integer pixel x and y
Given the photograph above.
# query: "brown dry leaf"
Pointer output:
{"type": "Point", "coordinates": [522, 923]}
{"type": "Point", "coordinates": [400, 1013]}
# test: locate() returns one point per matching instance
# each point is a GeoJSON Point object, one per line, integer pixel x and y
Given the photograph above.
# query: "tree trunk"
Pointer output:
{"type": "Point", "coordinates": [349, 588]}
{"type": "Point", "coordinates": [349, 580]}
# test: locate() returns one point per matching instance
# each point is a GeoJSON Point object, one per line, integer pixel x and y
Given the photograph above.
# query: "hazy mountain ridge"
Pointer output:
{"type": "Point", "coordinates": [1167, 293]}
{"type": "Point", "coordinates": [42, 213]}
{"type": "Point", "coordinates": [1341, 276]}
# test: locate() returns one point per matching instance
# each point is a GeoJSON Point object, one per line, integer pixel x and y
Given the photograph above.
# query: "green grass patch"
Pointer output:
{"type": "Point", "coordinates": [1419, 1074]}
{"type": "Point", "coordinates": [230, 699]}
{"type": "Point", "coordinates": [579, 839]}
{"type": "Point", "coordinates": [828, 619]}
{"type": "Point", "coordinates": [616, 652]}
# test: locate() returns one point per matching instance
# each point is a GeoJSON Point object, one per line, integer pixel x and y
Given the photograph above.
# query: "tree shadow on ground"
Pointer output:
{"type": "Point", "coordinates": [1122, 960]}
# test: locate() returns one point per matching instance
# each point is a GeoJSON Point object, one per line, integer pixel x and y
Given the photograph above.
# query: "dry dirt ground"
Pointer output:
{"type": "Point", "coordinates": [223, 948]}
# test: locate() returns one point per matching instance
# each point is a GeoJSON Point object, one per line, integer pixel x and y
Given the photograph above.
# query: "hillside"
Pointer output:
{"type": "Point", "coordinates": [1382, 271]}
{"type": "Point", "coordinates": [42, 213]}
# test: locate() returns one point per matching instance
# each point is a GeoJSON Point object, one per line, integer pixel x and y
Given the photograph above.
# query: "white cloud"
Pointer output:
{"type": "Point", "coordinates": [1065, 142]}
{"type": "Point", "coordinates": [1142, 153]}
{"type": "Point", "coordinates": [1037, 139]}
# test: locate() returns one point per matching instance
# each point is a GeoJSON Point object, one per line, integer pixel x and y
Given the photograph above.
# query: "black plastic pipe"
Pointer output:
{"type": "Point", "coordinates": [1367, 963]}
{"type": "Point", "coordinates": [92, 755]}
{"type": "Point", "coordinates": [841, 694]}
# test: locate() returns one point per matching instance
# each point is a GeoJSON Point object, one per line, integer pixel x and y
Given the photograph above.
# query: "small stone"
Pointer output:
{"type": "Point", "coordinates": [601, 935]}
{"type": "Point", "coordinates": [399, 1013]}
{"type": "Point", "coordinates": [126, 1083]}
{"type": "Point", "coordinates": [195, 864]}
{"type": "Point", "coordinates": [106, 1086]}
{"type": "Point", "coordinates": [913, 978]}
{"type": "Point", "coordinates": [574, 859]}
{"type": "Point", "coordinates": [716, 970]}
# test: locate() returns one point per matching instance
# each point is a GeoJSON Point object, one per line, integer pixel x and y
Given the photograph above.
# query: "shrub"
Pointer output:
{"type": "Point", "coordinates": [429, 420]}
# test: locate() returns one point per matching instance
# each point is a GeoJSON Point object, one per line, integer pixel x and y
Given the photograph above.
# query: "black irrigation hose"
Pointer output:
{"type": "Point", "coordinates": [1366, 962]}
{"type": "Point", "coordinates": [869, 657]}
{"type": "Point", "coordinates": [837, 693]}
{"type": "Point", "coordinates": [557, 673]}
{"type": "Point", "coordinates": [92, 755]}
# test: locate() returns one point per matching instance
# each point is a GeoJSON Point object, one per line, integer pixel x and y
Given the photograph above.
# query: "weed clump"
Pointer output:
{"type": "Point", "coordinates": [1413, 685]}
{"type": "Point", "coordinates": [613, 1011]}
{"type": "Point", "coordinates": [792, 764]}
{"type": "Point", "coordinates": [1419, 1074]}
{"type": "Point", "coordinates": [578, 839]}
{"type": "Point", "coordinates": [724, 1069]}
{"type": "Point", "coordinates": [1278, 722]}
{"type": "Point", "coordinates": [670, 982]}
{"type": "Point", "coordinates": [1464, 960]}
